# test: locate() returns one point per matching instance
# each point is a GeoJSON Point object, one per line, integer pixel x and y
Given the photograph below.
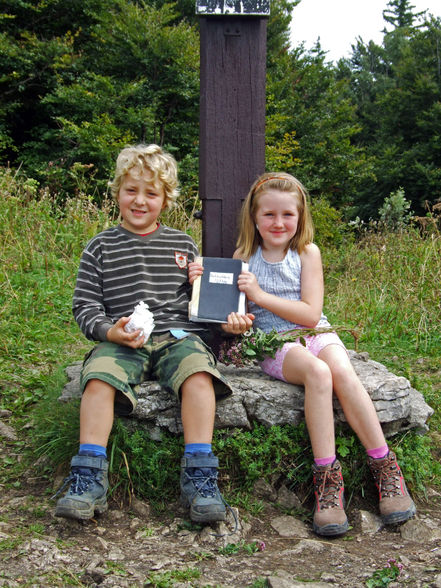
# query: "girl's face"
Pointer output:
{"type": "Point", "coordinates": [140, 202]}
{"type": "Point", "coordinates": [277, 218]}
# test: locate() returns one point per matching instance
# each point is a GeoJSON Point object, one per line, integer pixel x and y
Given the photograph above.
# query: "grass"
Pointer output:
{"type": "Point", "coordinates": [386, 285]}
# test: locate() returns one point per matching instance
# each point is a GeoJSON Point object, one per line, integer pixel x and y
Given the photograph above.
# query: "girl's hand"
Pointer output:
{"type": "Point", "coordinates": [247, 283]}
{"type": "Point", "coordinates": [238, 323]}
{"type": "Point", "coordinates": [117, 334]}
{"type": "Point", "coordinates": [194, 270]}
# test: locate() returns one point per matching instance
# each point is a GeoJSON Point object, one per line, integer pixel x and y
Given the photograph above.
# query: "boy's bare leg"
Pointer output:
{"type": "Point", "coordinates": [198, 406]}
{"type": "Point", "coordinates": [96, 412]}
{"type": "Point", "coordinates": [88, 481]}
{"type": "Point", "coordinates": [199, 490]}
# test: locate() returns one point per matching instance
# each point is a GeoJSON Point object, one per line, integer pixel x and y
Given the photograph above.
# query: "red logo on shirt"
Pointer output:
{"type": "Point", "coordinates": [181, 259]}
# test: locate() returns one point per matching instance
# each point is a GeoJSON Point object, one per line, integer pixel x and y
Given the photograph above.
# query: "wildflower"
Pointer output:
{"type": "Point", "coordinates": [256, 345]}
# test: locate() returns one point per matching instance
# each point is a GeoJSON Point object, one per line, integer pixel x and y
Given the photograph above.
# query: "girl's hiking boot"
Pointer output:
{"type": "Point", "coordinates": [329, 514]}
{"type": "Point", "coordinates": [199, 490]}
{"type": "Point", "coordinates": [396, 506]}
{"type": "Point", "coordinates": [88, 488]}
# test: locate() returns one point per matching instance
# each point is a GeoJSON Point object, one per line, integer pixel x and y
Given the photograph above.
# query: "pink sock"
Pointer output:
{"type": "Point", "coordinates": [323, 461]}
{"type": "Point", "coordinates": [378, 452]}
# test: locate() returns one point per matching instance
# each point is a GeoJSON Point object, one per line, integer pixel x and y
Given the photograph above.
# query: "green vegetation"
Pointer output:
{"type": "Point", "coordinates": [78, 82]}
{"type": "Point", "coordinates": [390, 572]}
{"type": "Point", "coordinates": [169, 579]}
{"type": "Point", "coordinates": [379, 282]}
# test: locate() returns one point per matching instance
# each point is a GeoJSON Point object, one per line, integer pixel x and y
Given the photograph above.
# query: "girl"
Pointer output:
{"type": "Point", "coordinates": [284, 287]}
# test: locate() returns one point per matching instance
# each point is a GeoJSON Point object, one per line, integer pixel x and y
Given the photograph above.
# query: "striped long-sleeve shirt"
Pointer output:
{"type": "Point", "coordinates": [118, 269]}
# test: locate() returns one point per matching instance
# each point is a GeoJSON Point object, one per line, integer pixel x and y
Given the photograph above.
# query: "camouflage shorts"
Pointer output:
{"type": "Point", "coordinates": [164, 358]}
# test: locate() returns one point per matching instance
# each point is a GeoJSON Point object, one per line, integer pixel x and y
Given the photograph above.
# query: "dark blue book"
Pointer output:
{"type": "Point", "coordinates": [215, 293]}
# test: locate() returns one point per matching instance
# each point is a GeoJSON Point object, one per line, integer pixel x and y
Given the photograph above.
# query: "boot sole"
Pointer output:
{"type": "Point", "coordinates": [197, 517]}
{"type": "Point", "coordinates": [395, 518]}
{"type": "Point", "coordinates": [331, 530]}
{"type": "Point", "coordinates": [80, 515]}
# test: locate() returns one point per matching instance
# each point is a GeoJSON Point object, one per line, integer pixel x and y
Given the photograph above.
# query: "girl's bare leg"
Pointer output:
{"type": "Point", "coordinates": [353, 397]}
{"type": "Point", "coordinates": [301, 367]}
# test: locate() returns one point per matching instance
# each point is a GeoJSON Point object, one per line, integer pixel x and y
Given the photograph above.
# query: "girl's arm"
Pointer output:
{"type": "Point", "coordinates": [308, 310]}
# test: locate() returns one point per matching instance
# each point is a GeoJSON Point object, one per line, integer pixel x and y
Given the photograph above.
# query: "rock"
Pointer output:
{"type": "Point", "coordinates": [288, 499]}
{"type": "Point", "coordinates": [140, 508]}
{"type": "Point", "coordinates": [370, 523]}
{"type": "Point", "coordinates": [288, 526]}
{"type": "Point", "coordinates": [258, 398]}
{"type": "Point", "coordinates": [282, 581]}
{"type": "Point", "coordinates": [262, 489]}
{"type": "Point", "coordinates": [7, 432]}
{"type": "Point", "coordinates": [420, 530]}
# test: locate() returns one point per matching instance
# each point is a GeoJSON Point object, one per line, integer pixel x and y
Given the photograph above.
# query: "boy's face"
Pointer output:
{"type": "Point", "coordinates": [140, 201]}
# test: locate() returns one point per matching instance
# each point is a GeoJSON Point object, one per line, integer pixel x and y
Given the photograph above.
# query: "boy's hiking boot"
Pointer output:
{"type": "Point", "coordinates": [88, 488]}
{"type": "Point", "coordinates": [396, 506]}
{"type": "Point", "coordinates": [329, 514]}
{"type": "Point", "coordinates": [199, 489]}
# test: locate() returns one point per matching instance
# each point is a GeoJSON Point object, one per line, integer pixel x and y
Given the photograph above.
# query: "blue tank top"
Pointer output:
{"type": "Point", "coordinates": [282, 279]}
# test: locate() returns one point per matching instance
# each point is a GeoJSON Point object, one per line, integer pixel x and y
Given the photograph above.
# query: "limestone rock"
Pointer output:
{"type": "Point", "coordinates": [258, 398]}
{"type": "Point", "coordinates": [288, 526]}
{"type": "Point", "coordinates": [420, 530]}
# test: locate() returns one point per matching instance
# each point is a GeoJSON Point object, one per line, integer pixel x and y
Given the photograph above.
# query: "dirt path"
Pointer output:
{"type": "Point", "coordinates": [132, 547]}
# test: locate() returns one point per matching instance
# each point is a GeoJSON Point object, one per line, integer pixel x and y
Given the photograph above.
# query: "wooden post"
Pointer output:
{"type": "Point", "coordinates": [232, 115]}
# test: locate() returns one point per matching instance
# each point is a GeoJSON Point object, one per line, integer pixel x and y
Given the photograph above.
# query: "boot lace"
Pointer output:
{"type": "Point", "coordinates": [204, 480]}
{"type": "Point", "coordinates": [388, 478]}
{"type": "Point", "coordinates": [328, 485]}
{"type": "Point", "coordinates": [79, 479]}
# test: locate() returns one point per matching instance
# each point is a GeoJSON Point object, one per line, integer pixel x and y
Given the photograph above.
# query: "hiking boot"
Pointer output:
{"type": "Point", "coordinates": [88, 488]}
{"type": "Point", "coordinates": [329, 515]}
{"type": "Point", "coordinates": [199, 489]}
{"type": "Point", "coordinates": [396, 506]}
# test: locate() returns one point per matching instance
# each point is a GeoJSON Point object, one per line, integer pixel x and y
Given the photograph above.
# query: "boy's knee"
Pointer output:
{"type": "Point", "coordinates": [98, 388]}
{"type": "Point", "coordinates": [199, 380]}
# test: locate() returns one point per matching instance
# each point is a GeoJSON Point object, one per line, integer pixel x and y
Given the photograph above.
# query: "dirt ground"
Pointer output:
{"type": "Point", "coordinates": [130, 546]}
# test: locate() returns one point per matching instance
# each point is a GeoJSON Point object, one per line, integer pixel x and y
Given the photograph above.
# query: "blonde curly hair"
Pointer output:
{"type": "Point", "coordinates": [153, 159]}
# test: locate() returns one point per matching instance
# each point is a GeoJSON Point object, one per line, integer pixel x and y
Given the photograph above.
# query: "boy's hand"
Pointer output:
{"type": "Point", "coordinates": [238, 323]}
{"type": "Point", "coordinates": [194, 270]}
{"type": "Point", "coordinates": [117, 334]}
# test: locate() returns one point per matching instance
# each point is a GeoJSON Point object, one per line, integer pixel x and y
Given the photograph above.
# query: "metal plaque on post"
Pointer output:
{"type": "Point", "coordinates": [232, 7]}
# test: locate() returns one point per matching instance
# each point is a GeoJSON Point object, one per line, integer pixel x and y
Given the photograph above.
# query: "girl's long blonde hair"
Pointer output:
{"type": "Point", "coordinates": [249, 237]}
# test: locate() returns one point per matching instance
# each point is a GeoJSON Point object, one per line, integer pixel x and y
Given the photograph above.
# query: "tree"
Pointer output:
{"type": "Point", "coordinates": [310, 125]}
{"type": "Point", "coordinates": [397, 90]}
{"type": "Point", "coordinates": [93, 79]}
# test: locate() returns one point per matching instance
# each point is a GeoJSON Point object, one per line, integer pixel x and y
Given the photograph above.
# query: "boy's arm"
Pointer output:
{"type": "Point", "coordinates": [87, 305]}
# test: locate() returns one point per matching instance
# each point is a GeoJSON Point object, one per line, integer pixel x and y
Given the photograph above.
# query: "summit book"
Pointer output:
{"type": "Point", "coordinates": [215, 293]}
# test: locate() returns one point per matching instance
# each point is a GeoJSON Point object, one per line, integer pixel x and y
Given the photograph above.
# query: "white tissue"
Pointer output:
{"type": "Point", "coordinates": [142, 319]}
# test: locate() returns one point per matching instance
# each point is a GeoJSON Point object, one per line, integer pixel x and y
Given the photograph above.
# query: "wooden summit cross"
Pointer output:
{"type": "Point", "coordinates": [232, 114]}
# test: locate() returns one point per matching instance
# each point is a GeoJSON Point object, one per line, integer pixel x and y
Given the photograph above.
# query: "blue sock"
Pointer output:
{"type": "Point", "coordinates": [92, 450]}
{"type": "Point", "coordinates": [191, 448]}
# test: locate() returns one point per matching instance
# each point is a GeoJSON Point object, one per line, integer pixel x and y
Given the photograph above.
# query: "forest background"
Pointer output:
{"type": "Point", "coordinates": [80, 80]}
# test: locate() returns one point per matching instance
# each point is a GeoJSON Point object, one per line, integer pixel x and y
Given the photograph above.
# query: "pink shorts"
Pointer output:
{"type": "Point", "coordinates": [314, 344]}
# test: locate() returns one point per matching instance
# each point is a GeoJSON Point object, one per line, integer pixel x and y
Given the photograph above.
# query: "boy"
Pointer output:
{"type": "Point", "coordinates": [142, 260]}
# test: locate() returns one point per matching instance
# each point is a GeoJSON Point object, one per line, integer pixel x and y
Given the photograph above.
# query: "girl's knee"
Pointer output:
{"type": "Point", "coordinates": [319, 372]}
{"type": "Point", "coordinates": [344, 375]}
